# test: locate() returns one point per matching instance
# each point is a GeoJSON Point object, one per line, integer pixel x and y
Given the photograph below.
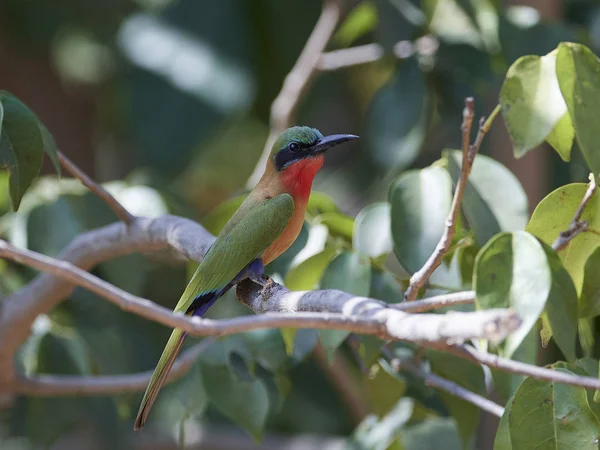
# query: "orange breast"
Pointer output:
{"type": "Point", "coordinates": [289, 234]}
{"type": "Point", "coordinates": [296, 180]}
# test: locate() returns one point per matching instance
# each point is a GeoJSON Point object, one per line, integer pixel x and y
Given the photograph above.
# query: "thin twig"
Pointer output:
{"type": "Point", "coordinates": [54, 385]}
{"type": "Point", "coordinates": [419, 278]}
{"type": "Point", "coordinates": [298, 80]}
{"type": "Point", "coordinates": [439, 301]}
{"type": "Point", "coordinates": [509, 365]}
{"type": "Point", "coordinates": [441, 383]}
{"type": "Point", "coordinates": [119, 210]}
{"type": "Point", "coordinates": [577, 225]}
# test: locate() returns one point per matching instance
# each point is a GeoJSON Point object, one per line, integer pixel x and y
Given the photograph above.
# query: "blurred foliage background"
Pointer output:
{"type": "Point", "coordinates": [172, 98]}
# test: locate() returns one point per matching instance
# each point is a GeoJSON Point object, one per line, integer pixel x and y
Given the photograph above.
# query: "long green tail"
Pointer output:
{"type": "Point", "coordinates": [159, 376]}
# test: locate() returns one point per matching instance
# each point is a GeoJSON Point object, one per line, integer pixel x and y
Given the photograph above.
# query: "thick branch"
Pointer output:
{"type": "Point", "coordinates": [298, 80]}
{"type": "Point", "coordinates": [577, 225]}
{"type": "Point", "coordinates": [55, 385]}
{"type": "Point", "coordinates": [419, 278]}
{"type": "Point", "coordinates": [328, 309]}
{"type": "Point", "coordinates": [19, 311]}
{"type": "Point", "coordinates": [119, 210]}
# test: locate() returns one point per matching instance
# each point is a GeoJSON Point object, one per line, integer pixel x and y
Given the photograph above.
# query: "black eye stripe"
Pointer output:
{"type": "Point", "coordinates": [286, 155]}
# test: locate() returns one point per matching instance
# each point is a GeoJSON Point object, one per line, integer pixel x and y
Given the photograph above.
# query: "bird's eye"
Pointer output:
{"type": "Point", "coordinates": [293, 146]}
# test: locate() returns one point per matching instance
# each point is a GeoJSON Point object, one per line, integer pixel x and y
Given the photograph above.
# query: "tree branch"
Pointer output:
{"type": "Point", "coordinates": [439, 301]}
{"type": "Point", "coordinates": [441, 383]}
{"type": "Point", "coordinates": [327, 309]}
{"type": "Point", "coordinates": [55, 385]}
{"type": "Point", "coordinates": [577, 225]}
{"type": "Point", "coordinates": [19, 310]}
{"type": "Point", "coordinates": [508, 365]}
{"type": "Point", "coordinates": [369, 53]}
{"type": "Point", "coordinates": [419, 278]}
{"type": "Point", "coordinates": [298, 80]}
{"type": "Point", "coordinates": [122, 214]}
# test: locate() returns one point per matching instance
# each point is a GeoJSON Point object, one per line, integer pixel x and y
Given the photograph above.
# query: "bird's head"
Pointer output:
{"type": "Point", "coordinates": [302, 144]}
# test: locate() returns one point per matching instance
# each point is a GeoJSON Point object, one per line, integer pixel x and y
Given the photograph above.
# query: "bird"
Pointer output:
{"type": "Point", "coordinates": [263, 227]}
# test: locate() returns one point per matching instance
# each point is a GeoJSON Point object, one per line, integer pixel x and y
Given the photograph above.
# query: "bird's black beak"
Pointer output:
{"type": "Point", "coordinates": [331, 141]}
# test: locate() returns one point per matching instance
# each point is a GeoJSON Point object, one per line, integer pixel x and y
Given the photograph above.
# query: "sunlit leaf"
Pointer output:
{"type": "Point", "coordinates": [372, 230]}
{"type": "Point", "coordinates": [360, 20]}
{"type": "Point", "coordinates": [338, 223]}
{"type": "Point", "coordinates": [218, 217]}
{"type": "Point", "coordinates": [554, 215]}
{"type": "Point", "coordinates": [512, 270]}
{"type": "Point", "coordinates": [578, 72]}
{"type": "Point", "coordinates": [532, 105]}
{"type": "Point", "coordinates": [494, 199]}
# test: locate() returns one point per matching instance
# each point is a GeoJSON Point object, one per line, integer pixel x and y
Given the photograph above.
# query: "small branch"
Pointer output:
{"type": "Point", "coordinates": [448, 386]}
{"type": "Point", "coordinates": [119, 210]}
{"type": "Point", "coordinates": [298, 80]}
{"type": "Point", "coordinates": [419, 278]}
{"type": "Point", "coordinates": [369, 53]}
{"type": "Point", "coordinates": [439, 301]}
{"type": "Point", "coordinates": [55, 385]}
{"type": "Point", "coordinates": [577, 225]}
{"type": "Point", "coordinates": [508, 365]}
{"type": "Point", "coordinates": [342, 381]}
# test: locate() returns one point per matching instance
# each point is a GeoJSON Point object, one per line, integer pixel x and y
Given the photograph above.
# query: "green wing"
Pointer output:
{"type": "Point", "coordinates": [249, 232]}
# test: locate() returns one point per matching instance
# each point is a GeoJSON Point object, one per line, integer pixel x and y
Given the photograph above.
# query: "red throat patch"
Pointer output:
{"type": "Point", "coordinates": [298, 177]}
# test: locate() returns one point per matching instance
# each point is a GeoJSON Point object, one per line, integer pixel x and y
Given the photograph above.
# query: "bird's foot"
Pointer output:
{"type": "Point", "coordinates": [265, 281]}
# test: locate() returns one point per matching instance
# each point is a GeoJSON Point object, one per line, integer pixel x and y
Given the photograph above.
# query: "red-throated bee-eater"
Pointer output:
{"type": "Point", "coordinates": [263, 227]}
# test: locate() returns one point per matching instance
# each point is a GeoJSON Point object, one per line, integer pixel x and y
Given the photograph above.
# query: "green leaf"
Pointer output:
{"type": "Point", "coordinates": [360, 20]}
{"type": "Point", "coordinates": [338, 223]}
{"type": "Point", "coordinates": [494, 199]}
{"type": "Point", "coordinates": [551, 415]}
{"type": "Point", "coordinates": [382, 389]}
{"type": "Point", "coordinates": [589, 301]}
{"type": "Point", "coordinates": [245, 402]}
{"type": "Point", "coordinates": [555, 213]}
{"type": "Point", "coordinates": [397, 118]}
{"type": "Point", "coordinates": [466, 374]}
{"type": "Point", "coordinates": [578, 73]}
{"type": "Point", "coordinates": [319, 203]}
{"type": "Point", "coordinates": [21, 146]}
{"type": "Point", "coordinates": [561, 137]}
{"type": "Point", "coordinates": [420, 202]}
{"type": "Point", "coordinates": [376, 434]}
{"type": "Point", "coordinates": [560, 314]}
{"type": "Point", "coordinates": [384, 286]}
{"type": "Point", "coordinates": [502, 441]}
{"type": "Point", "coordinates": [308, 273]}
{"type": "Point", "coordinates": [512, 270]}
{"type": "Point", "coordinates": [50, 148]}
{"type": "Point", "coordinates": [372, 230]}
{"type": "Point", "coordinates": [432, 434]}
{"type": "Point", "coordinates": [532, 104]}
{"type": "Point", "coordinates": [351, 272]}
